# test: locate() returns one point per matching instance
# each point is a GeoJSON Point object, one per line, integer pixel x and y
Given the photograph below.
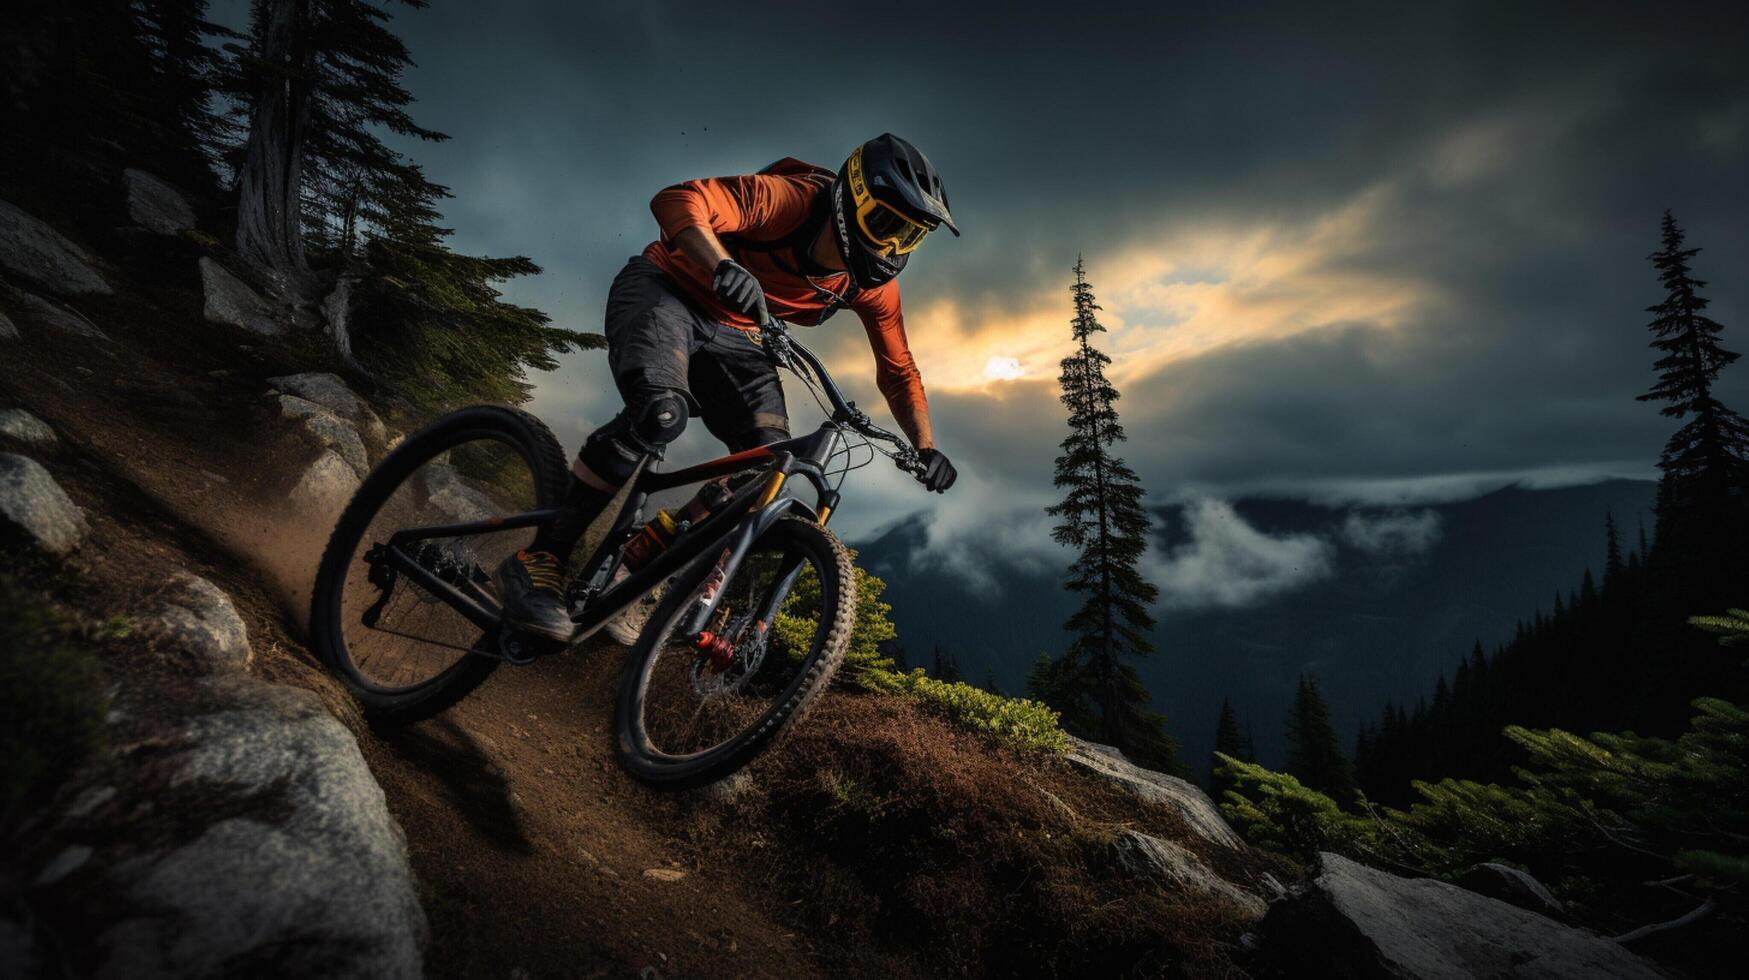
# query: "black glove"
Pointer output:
{"type": "Point", "coordinates": [938, 473]}
{"type": "Point", "coordinates": [739, 290]}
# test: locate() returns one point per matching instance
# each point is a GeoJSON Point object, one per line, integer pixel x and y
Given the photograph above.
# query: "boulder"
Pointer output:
{"type": "Point", "coordinates": [8, 329]}
{"type": "Point", "coordinates": [32, 502]}
{"type": "Point", "coordinates": [1191, 803]}
{"type": "Point", "coordinates": [325, 486]}
{"type": "Point", "coordinates": [330, 430]}
{"type": "Point", "coordinates": [1177, 869]}
{"type": "Point", "coordinates": [229, 300]}
{"type": "Point", "coordinates": [31, 248]}
{"type": "Point", "coordinates": [200, 619]}
{"type": "Point", "coordinates": [303, 873]}
{"type": "Point", "coordinates": [448, 492]}
{"type": "Point", "coordinates": [329, 391]}
{"type": "Point", "coordinates": [1350, 920]}
{"type": "Point", "coordinates": [155, 204]}
{"type": "Point", "coordinates": [1508, 884]}
{"type": "Point", "coordinates": [57, 316]}
{"type": "Point", "coordinates": [21, 426]}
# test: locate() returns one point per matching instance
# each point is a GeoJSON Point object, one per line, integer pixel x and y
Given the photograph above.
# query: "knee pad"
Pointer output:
{"type": "Point", "coordinates": [612, 452]}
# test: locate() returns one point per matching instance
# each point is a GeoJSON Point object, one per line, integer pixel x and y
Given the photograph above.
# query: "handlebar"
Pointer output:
{"type": "Point", "coordinates": [785, 351]}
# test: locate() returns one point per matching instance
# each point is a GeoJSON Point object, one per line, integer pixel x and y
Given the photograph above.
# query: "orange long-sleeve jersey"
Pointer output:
{"type": "Point", "coordinates": [764, 208]}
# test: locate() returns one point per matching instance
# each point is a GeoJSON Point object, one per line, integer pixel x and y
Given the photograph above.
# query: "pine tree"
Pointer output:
{"type": "Point", "coordinates": [1101, 515]}
{"type": "Point", "coordinates": [1228, 741]}
{"type": "Point", "coordinates": [1314, 754]}
{"type": "Point", "coordinates": [320, 83]}
{"type": "Point", "coordinates": [1699, 520]}
{"type": "Point", "coordinates": [947, 667]}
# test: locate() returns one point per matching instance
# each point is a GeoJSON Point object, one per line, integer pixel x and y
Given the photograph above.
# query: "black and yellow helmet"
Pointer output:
{"type": "Point", "coordinates": [886, 199]}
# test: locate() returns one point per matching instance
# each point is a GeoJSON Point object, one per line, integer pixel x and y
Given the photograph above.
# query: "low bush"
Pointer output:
{"type": "Point", "coordinates": [1017, 721]}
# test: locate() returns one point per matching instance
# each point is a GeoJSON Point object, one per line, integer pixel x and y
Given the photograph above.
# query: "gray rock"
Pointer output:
{"type": "Point", "coordinates": [229, 300]}
{"type": "Point", "coordinates": [57, 316]}
{"type": "Point", "coordinates": [18, 951]}
{"type": "Point", "coordinates": [330, 391]}
{"type": "Point", "coordinates": [450, 493]}
{"type": "Point", "coordinates": [1508, 884]}
{"type": "Point", "coordinates": [1191, 803]}
{"type": "Point", "coordinates": [33, 502]}
{"type": "Point", "coordinates": [21, 426]}
{"type": "Point", "coordinates": [8, 329]}
{"type": "Point", "coordinates": [31, 248]}
{"type": "Point", "coordinates": [1178, 869]}
{"type": "Point", "coordinates": [62, 865]}
{"type": "Point", "coordinates": [325, 486]}
{"type": "Point", "coordinates": [155, 204]}
{"type": "Point", "coordinates": [312, 881]}
{"type": "Point", "coordinates": [329, 429]}
{"type": "Point", "coordinates": [200, 618]}
{"type": "Point", "coordinates": [1355, 921]}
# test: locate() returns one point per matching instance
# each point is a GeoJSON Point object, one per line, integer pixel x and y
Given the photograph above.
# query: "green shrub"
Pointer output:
{"type": "Point", "coordinates": [1274, 811]}
{"type": "Point", "coordinates": [800, 618]}
{"type": "Point", "coordinates": [1017, 721]}
{"type": "Point", "coordinates": [51, 705]}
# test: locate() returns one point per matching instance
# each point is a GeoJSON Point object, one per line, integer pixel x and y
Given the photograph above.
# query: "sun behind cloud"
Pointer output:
{"type": "Point", "coordinates": [1003, 368]}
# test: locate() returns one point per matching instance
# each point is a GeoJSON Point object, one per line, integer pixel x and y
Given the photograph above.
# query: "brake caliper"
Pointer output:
{"type": "Point", "coordinates": [718, 651]}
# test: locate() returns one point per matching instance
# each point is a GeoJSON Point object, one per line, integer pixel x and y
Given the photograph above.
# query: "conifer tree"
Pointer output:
{"type": "Point", "coordinates": [1101, 515]}
{"type": "Point", "coordinates": [1314, 755]}
{"type": "Point", "coordinates": [321, 82]}
{"type": "Point", "coordinates": [1228, 741]}
{"type": "Point", "coordinates": [947, 667]}
{"type": "Point", "coordinates": [1699, 523]}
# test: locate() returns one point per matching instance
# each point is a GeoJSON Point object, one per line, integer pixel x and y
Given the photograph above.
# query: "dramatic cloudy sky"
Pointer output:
{"type": "Point", "coordinates": [1388, 254]}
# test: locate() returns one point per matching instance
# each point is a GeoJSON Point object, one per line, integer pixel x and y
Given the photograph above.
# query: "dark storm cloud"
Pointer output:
{"type": "Point", "coordinates": [1512, 159]}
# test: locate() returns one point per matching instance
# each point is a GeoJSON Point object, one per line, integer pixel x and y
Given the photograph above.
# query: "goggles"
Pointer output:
{"type": "Point", "coordinates": [881, 223]}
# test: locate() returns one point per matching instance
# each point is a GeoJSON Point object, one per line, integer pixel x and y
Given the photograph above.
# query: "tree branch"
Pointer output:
{"type": "Point", "coordinates": [1700, 912]}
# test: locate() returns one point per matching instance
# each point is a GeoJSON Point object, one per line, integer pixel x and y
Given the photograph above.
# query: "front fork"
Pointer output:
{"type": "Point", "coordinates": [769, 510]}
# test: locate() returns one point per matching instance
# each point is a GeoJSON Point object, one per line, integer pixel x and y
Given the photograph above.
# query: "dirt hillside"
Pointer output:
{"type": "Point", "coordinates": [878, 840]}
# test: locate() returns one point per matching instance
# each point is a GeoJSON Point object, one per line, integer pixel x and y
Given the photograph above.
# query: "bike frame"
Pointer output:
{"type": "Point", "coordinates": [737, 524]}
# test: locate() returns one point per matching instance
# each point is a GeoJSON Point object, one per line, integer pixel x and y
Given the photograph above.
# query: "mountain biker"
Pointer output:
{"type": "Point", "coordinates": [797, 240]}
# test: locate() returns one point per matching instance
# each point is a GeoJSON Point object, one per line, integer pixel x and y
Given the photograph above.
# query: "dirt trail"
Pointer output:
{"type": "Point", "coordinates": [537, 856]}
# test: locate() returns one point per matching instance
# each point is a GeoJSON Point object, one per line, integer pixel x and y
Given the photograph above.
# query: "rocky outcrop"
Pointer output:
{"type": "Point", "coordinates": [1508, 884]}
{"type": "Point", "coordinates": [155, 204]}
{"type": "Point", "coordinates": [33, 504]}
{"type": "Point", "coordinates": [1177, 869]}
{"type": "Point", "coordinates": [55, 315]}
{"type": "Point", "coordinates": [21, 426]}
{"type": "Point", "coordinates": [1199, 812]}
{"type": "Point", "coordinates": [229, 300]}
{"type": "Point", "coordinates": [199, 618]}
{"type": "Point", "coordinates": [1353, 921]}
{"type": "Point", "coordinates": [31, 248]}
{"type": "Point", "coordinates": [329, 429]}
{"type": "Point", "coordinates": [448, 492]}
{"type": "Point", "coordinates": [325, 486]}
{"type": "Point", "coordinates": [303, 873]}
{"type": "Point", "coordinates": [329, 391]}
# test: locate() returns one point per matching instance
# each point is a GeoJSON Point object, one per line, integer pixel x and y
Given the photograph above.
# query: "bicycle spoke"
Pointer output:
{"type": "Point", "coordinates": [416, 635]}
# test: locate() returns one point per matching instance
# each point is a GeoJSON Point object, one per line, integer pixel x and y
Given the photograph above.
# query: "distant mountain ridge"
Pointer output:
{"type": "Point", "coordinates": [1381, 623]}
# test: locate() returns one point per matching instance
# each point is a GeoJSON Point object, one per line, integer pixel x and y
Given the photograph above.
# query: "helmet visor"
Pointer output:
{"type": "Point", "coordinates": [884, 226]}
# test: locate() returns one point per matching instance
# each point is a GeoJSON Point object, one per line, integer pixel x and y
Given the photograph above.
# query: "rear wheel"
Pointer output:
{"type": "Point", "coordinates": [401, 650]}
{"type": "Point", "coordinates": [694, 709]}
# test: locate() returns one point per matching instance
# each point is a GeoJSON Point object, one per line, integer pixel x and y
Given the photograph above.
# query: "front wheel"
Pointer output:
{"type": "Point", "coordinates": [693, 709]}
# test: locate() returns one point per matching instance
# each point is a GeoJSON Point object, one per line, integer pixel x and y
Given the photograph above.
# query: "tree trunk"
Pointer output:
{"type": "Point", "coordinates": [269, 209]}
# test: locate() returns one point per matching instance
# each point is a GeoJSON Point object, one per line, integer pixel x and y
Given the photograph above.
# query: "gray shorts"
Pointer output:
{"type": "Point", "coordinates": [657, 342]}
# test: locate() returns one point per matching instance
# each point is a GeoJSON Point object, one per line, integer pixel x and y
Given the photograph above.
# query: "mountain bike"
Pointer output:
{"type": "Point", "coordinates": [757, 597]}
